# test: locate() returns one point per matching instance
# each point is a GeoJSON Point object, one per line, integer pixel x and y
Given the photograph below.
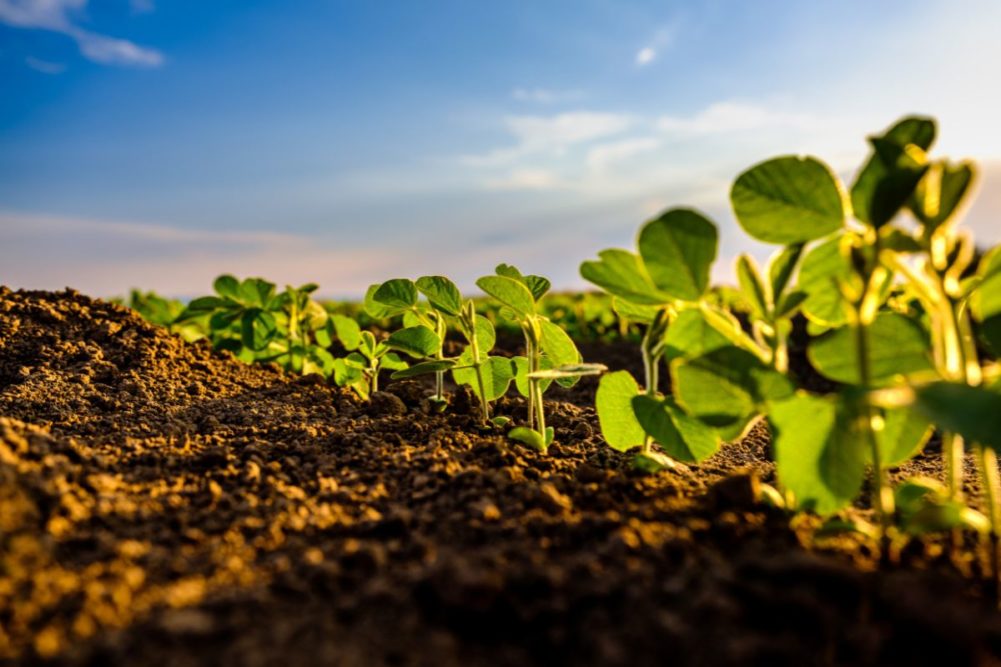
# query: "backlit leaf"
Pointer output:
{"type": "Point", "coordinates": [613, 402]}
{"type": "Point", "coordinates": [678, 250]}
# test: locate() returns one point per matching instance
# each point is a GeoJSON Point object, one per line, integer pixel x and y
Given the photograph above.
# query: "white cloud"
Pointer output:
{"type": "Point", "coordinates": [723, 117]}
{"type": "Point", "coordinates": [645, 56]}
{"type": "Point", "coordinates": [603, 156]}
{"type": "Point", "coordinates": [44, 66]}
{"type": "Point", "coordinates": [53, 15]}
{"type": "Point", "coordinates": [527, 179]}
{"type": "Point", "coordinates": [545, 95]}
{"type": "Point", "coordinates": [551, 135]}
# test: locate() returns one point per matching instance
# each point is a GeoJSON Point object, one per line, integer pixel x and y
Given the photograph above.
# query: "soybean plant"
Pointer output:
{"type": "Point", "coordinates": [550, 354]}
{"type": "Point", "coordinates": [359, 370]}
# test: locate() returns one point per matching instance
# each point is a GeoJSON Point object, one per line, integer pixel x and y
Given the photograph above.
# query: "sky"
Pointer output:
{"type": "Point", "coordinates": [159, 143]}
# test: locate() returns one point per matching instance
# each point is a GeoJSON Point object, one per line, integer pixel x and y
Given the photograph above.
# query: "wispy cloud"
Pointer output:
{"type": "Point", "coordinates": [551, 135]}
{"type": "Point", "coordinates": [53, 15]}
{"type": "Point", "coordinates": [44, 66]}
{"type": "Point", "coordinates": [645, 56]}
{"type": "Point", "coordinates": [723, 117]}
{"type": "Point", "coordinates": [527, 179]}
{"type": "Point", "coordinates": [546, 95]}
{"type": "Point", "coordinates": [605, 155]}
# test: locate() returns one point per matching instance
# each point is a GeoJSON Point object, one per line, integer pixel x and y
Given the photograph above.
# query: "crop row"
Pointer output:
{"type": "Point", "coordinates": [903, 316]}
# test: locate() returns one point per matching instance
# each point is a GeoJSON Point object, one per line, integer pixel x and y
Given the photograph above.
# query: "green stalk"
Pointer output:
{"type": "Point", "coordinates": [474, 348]}
{"type": "Point", "coordinates": [992, 497]}
{"type": "Point", "coordinates": [532, 364]}
{"type": "Point", "coordinates": [882, 500]}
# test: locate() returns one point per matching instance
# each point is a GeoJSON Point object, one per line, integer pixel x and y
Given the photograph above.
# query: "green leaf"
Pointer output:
{"type": "Point", "coordinates": [521, 374]}
{"type": "Point", "coordinates": [817, 456]}
{"type": "Point", "coordinates": [678, 250]}
{"type": "Point", "coordinates": [257, 292]}
{"type": "Point", "coordinates": [347, 331]}
{"type": "Point", "coordinates": [613, 402]}
{"type": "Point", "coordinates": [752, 287]}
{"type": "Point", "coordinates": [903, 435]}
{"type": "Point", "coordinates": [557, 345]}
{"type": "Point", "coordinates": [257, 328]}
{"type": "Point", "coordinates": [985, 302]}
{"type": "Point", "coordinates": [788, 200]}
{"type": "Point", "coordinates": [497, 375]}
{"type": "Point", "coordinates": [898, 345]}
{"type": "Point", "coordinates": [424, 368]}
{"type": "Point", "coordinates": [888, 178]}
{"type": "Point", "coordinates": [569, 371]}
{"type": "Point", "coordinates": [375, 309]}
{"type": "Point", "coordinates": [537, 285]}
{"type": "Point", "coordinates": [691, 335]}
{"type": "Point", "coordinates": [622, 274]}
{"type": "Point", "coordinates": [529, 437]}
{"type": "Point", "coordinates": [509, 292]}
{"type": "Point", "coordinates": [727, 385]}
{"type": "Point", "coordinates": [972, 412]}
{"type": "Point", "coordinates": [199, 307]}
{"type": "Point", "coordinates": [441, 293]}
{"type": "Point", "coordinates": [418, 342]}
{"type": "Point", "coordinates": [398, 294]}
{"type": "Point", "coordinates": [822, 269]}
{"type": "Point", "coordinates": [681, 436]}
{"type": "Point", "coordinates": [227, 287]}
{"type": "Point", "coordinates": [392, 362]}
{"type": "Point", "coordinates": [790, 303]}
{"type": "Point", "coordinates": [223, 319]}
{"type": "Point", "coordinates": [634, 312]}
{"type": "Point", "coordinates": [781, 267]}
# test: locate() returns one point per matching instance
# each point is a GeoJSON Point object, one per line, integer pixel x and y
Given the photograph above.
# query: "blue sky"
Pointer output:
{"type": "Point", "coordinates": [157, 143]}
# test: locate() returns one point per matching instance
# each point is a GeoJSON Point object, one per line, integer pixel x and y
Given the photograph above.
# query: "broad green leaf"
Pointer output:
{"type": "Point", "coordinates": [521, 374]}
{"type": "Point", "coordinates": [418, 342]}
{"type": "Point", "coordinates": [613, 402]}
{"type": "Point", "coordinates": [557, 345]}
{"type": "Point", "coordinates": [257, 328]}
{"type": "Point", "coordinates": [682, 437]}
{"type": "Point", "coordinates": [497, 375]}
{"type": "Point", "coordinates": [398, 294]}
{"type": "Point", "coordinates": [888, 178]}
{"type": "Point", "coordinates": [227, 287]}
{"type": "Point", "coordinates": [678, 250]}
{"type": "Point", "coordinates": [347, 330]}
{"type": "Point", "coordinates": [819, 274]}
{"type": "Point", "coordinates": [374, 308]}
{"type": "Point", "coordinates": [257, 292]}
{"type": "Point", "coordinates": [897, 346]}
{"type": "Point", "coordinates": [441, 293]}
{"type": "Point", "coordinates": [393, 362]}
{"type": "Point", "coordinates": [369, 346]}
{"type": "Point", "coordinates": [204, 304]}
{"type": "Point", "coordinates": [727, 385]}
{"type": "Point", "coordinates": [529, 437]}
{"type": "Point", "coordinates": [424, 368]}
{"type": "Point", "coordinates": [788, 200]}
{"type": "Point", "coordinates": [972, 412]}
{"type": "Point", "coordinates": [486, 335]}
{"type": "Point", "coordinates": [634, 312]}
{"type": "Point", "coordinates": [510, 271]}
{"type": "Point", "coordinates": [904, 433]}
{"type": "Point", "coordinates": [985, 302]}
{"type": "Point", "coordinates": [752, 287]}
{"type": "Point", "coordinates": [223, 319]}
{"type": "Point", "coordinates": [622, 274]}
{"type": "Point", "coordinates": [781, 267]}
{"type": "Point", "coordinates": [790, 303]}
{"type": "Point", "coordinates": [817, 456]}
{"type": "Point", "coordinates": [513, 294]}
{"type": "Point", "coordinates": [691, 335]}
{"type": "Point", "coordinates": [537, 285]}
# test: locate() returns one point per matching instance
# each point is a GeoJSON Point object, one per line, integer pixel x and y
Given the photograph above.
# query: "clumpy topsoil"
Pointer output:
{"type": "Point", "coordinates": [163, 504]}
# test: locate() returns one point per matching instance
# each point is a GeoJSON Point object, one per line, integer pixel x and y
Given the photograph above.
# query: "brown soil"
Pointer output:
{"type": "Point", "coordinates": [162, 504]}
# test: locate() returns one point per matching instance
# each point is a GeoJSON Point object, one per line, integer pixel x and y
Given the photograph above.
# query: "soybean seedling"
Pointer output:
{"type": "Point", "coordinates": [359, 370]}
{"type": "Point", "coordinates": [550, 354]}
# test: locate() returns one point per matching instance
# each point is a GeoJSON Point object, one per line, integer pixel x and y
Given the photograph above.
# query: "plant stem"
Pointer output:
{"type": "Point", "coordinates": [532, 364]}
{"type": "Point", "coordinates": [882, 499]}
{"type": "Point", "coordinates": [992, 497]}
{"type": "Point", "coordinates": [474, 347]}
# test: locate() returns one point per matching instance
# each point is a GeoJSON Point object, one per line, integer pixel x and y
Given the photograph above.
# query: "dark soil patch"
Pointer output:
{"type": "Point", "coordinates": [164, 504]}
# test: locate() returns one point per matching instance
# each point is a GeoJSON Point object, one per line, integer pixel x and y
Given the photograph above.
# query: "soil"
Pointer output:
{"type": "Point", "coordinates": [164, 504]}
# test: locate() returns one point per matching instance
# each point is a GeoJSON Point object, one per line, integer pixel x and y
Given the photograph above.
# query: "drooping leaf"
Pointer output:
{"type": "Point", "coordinates": [788, 200]}
{"type": "Point", "coordinates": [418, 342]}
{"type": "Point", "coordinates": [510, 292]}
{"type": "Point", "coordinates": [972, 412]}
{"type": "Point", "coordinates": [257, 328]}
{"type": "Point", "coordinates": [347, 330]}
{"type": "Point", "coordinates": [819, 274]}
{"type": "Point", "coordinates": [634, 312]}
{"type": "Point", "coordinates": [622, 274]}
{"type": "Point", "coordinates": [752, 287]}
{"type": "Point", "coordinates": [897, 345]}
{"type": "Point", "coordinates": [441, 293]}
{"type": "Point", "coordinates": [424, 368]}
{"type": "Point", "coordinates": [678, 250]}
{"type": "Point", "coordinates": [682, 437]}
{"type": "Point", "coordinates": [889, 177]}
{"type": "Point", "coordinates": [781, 267]}
{"type": "Point", "coordinates": [691, 335]}
{"type": "Point", "coordinates": [557, 345]}
{"type": "Point", "coordinates": [817, 455]}
{"type": "Point", "coordinates": [613, 402]}
{"type": "Point", "coordinates": [398, 294]}
{"type": "Point", "coordinates": [904, 433]}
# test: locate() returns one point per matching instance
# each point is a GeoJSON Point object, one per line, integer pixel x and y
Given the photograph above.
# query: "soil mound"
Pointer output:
{"type": "Point", "coordinates": [165, 504]}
